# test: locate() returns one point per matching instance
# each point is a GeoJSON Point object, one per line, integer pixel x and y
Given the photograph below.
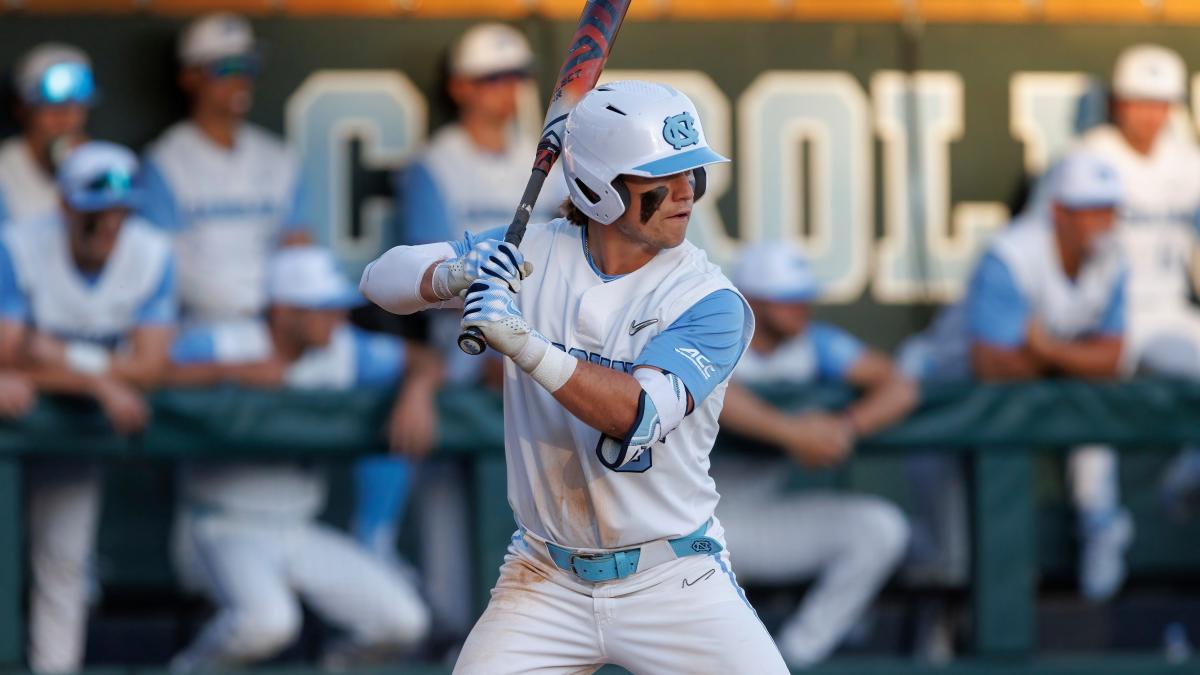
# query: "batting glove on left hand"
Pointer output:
{"type": "Point", "coordinates": [489, 258]}
{"type": "Point", "coordinates": [489, 307]}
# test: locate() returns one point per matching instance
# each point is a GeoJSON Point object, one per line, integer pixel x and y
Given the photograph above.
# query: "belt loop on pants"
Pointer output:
{"type": "Point", "coordinates": [597, 567]}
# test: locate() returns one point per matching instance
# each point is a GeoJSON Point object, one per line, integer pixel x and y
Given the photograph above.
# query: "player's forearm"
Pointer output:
{"type": "Point", "coordinates": [602, 398]}
{"type": "Point", "coordinates": [57, 380]}
{"type": "Point", "coordinates": [883, 405]}
{"type": "Point", "coordinates": [750, 416]}
{"type": "Point", "coordinates": [996, 364]}
{"type": "Point", "coordinates": [401, 280]}
{"type": "Point", "coordinates": [1096, 357]}
{"type": "Point", "coordinates": [196, 375]}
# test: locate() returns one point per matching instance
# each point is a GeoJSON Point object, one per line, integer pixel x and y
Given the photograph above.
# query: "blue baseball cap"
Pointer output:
{"type": "Point", "coordinates": [54, 74]}
{"type": "Point", "coordinates": [98, 175]}
{"type": "Point", "coordinates": [307, 277]}
{"type": "Point", "coordinates": [776, 271]}
{"type": "Point", "coordinates": [1081, 180]}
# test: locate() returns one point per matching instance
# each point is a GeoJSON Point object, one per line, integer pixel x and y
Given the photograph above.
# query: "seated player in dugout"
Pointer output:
{"type": "Point", "coordinates": [248, 534]}
{"type": "Point", "coordinates": [91, 287]}
{"type": "Point", "coordinates": [610, 405]}
{"type": "Point", "coordinates": [1047, 299]}
{"type": "Point", "coordinates": [54, 91]}
{"type": "Point", "coordinates": [228, 191]}
{"type": "Point", "coordinates": [848, 544]}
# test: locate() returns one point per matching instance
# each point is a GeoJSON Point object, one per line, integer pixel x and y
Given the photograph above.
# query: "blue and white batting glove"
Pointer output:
{"type": "Point", "coordinates": [489, 307]}
{"type": "Point", "coordinates": [489, 258]}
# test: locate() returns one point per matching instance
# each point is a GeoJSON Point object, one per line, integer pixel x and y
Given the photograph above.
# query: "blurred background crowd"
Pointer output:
{"type": "Point", "coordinates": [192, 263]}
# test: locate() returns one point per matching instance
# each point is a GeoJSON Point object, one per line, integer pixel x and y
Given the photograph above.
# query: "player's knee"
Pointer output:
{"type": "Point", "coordinates": [266, 629]}
{"type": "Point", "coordinates": [885, 529]}
{"type": "Point", "coordinates": [404, 622]}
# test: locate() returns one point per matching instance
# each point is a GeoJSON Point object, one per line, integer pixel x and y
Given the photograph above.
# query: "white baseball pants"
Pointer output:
{"type": "Point", "coordinates": [683, 616]}
{"type": "Point", "coordinates": [257, 569]}
{"type": "Point", "coordinates": [64, 509]}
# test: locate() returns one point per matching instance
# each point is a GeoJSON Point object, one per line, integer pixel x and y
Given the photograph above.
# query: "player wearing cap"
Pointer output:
{"type": "Point", "coordinates": [466, 179]}
{"type": "Point", "coordinates": [54, 88]}
{"type": "Point", "coordinates": [226, 189]}
{"type": "Point", "coordinates": [1048, 298]}
{"type": "Point", "coordinates": [618, 351]}
{"type": "Point", "coordinates": [94, 285]}
{"type": "Point", "coordinates": [249, 535]}
{"type": "Point", "coordinates": [849, 543]}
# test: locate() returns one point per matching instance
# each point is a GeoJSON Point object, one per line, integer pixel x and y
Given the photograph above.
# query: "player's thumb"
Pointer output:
{"type": "Point", "coordinates": [526, 269]}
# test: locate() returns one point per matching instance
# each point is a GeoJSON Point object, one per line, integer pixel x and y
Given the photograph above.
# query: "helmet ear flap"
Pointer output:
{"type": "Point", "coordinates": [699, 182]}
{"type": "Point", "coordinates": [622, 190]}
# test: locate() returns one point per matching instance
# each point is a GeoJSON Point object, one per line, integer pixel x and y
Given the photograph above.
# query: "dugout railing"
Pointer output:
{"type": "Point", "coordinates": [998, 426]}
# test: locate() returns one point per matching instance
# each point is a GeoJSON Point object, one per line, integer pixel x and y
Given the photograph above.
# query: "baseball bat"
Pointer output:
{"type": "Point", "coordinates": [593, 40]}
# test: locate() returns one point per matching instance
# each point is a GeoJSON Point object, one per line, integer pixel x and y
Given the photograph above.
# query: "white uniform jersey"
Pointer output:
{"type": "Point", "coordinates": [227, 208]}
{"type": "Point", "coordinates": [285, 489]}
{"type": "Point", "coordinates": [472, 189]}
{"type": "Point", "coordinates": [1068, 308]}
{"type": "Point", "coordinates": [26, 190]}
{"type": "Point", "coordinates": [557, 486]}
{"type": "Point", "coordinates": [1161, 195]}
{"type": "Point", "coordinates": [63, 303]}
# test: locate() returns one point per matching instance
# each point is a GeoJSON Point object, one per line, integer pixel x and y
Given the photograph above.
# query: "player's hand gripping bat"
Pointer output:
{"type": "Point", "coordinates": [593, 40]}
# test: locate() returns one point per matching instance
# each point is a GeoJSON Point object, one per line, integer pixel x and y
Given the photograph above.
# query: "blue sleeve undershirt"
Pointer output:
{"type": "Point", "coordinates": [837, 351]}
{"type": "Point", "coordinates": [424, 218]}
{"type": "Point", "coordinates": [13, 304]}
{"type": "Point", "coordinates": [158, 203]}
{"type": "Point", "coordinates": [380, 359]}
{"type": "Point", "coordinates": [161, 307]}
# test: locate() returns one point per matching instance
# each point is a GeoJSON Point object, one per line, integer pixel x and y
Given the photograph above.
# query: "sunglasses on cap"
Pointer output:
{"type": "Point", "coordinates": [65, 83]}
{"type": "Point", "coordinates": [243, 65]}
{"type": "Point", "coordinates": [113, 181]}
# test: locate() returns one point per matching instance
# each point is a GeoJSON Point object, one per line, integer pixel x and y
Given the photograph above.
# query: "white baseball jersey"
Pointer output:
{"type": "Point", "coordinates": [557, 486]}
{"type": "Point", "coordinates": [134, 288]}
{"type": "Point", "coordinates": [457, 187]}
{"type": "Point", "coordinates": [352, 358]}
{"type": "Point", "coordinates": [226, 208]}
{"type": "Point", "coordinates": [1161, 195]}
{"type": "Point", "coordinates": [26, 190]}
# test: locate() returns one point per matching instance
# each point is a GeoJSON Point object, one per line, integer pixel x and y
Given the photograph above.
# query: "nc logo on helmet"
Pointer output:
{"type": "Point", "coordinates": [680, 131]}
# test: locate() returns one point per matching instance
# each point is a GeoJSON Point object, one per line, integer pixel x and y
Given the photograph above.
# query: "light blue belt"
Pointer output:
{"type": "Point", "coordinates": [596, 567]}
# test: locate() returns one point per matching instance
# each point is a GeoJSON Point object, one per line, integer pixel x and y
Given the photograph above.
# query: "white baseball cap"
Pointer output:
{"type": "Point", "coordinates": [54, 73]}
{"type": "Point", "coordinates": [489, 49]}
{"type": "Point", "coordinates": [308, 277]}
{"type": "Point", "coordinates": [775, 271]}
{"type": "Point", "coordinates": [98, 175]}
{"type": "Point", "coordinates": [215, 36]}
{"type": "Point", "coordinates": [1081, 180]}
{"type": "Point", "coordinates": [1149, 73]}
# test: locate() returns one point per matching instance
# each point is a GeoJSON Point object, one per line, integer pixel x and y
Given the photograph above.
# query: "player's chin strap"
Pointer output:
{"type": "Point", "coordinates": [661, 408]}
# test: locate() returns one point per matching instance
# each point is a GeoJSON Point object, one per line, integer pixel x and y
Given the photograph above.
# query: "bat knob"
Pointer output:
{"type": "Point", "coordinates": [472, 342]}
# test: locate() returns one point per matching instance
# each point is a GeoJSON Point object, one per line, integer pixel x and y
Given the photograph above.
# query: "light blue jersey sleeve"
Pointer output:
{"type": "Point", "coordinates": [703, 345]}
{"type": "Point", "coordinates": [1113, 321]}
{"type": "Point", "coordinates": [157, 199]}
{"type": "Point", "coordinates": [194, 344]}
{"type": "Point", "coordinates": [4, 215]}
{"type": "Point", "coordinates": [424, 218]}
{"type": "Point", "coordinates": [837, 351]}
{"type": "Point", "coordinates": [296, 219]}
{"type": "Point", "coordinates": [162, 306]}
{"type": "Point", "coordinates": [997, 313]}
{"type": "Point", "coordinates": [380, 358]}
{"type": "Point", "coordinates": [13, 304]}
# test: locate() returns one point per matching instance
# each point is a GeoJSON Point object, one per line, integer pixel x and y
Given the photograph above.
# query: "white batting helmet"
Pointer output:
{"type": "Point", "coordinates": [630, 128]}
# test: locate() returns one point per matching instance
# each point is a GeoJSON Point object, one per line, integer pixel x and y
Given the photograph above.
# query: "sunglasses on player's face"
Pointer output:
{"type": "Point", "coordinates": [242, 65]}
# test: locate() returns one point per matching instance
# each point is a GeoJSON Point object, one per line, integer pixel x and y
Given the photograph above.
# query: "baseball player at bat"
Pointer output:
{"type": "Point", "coordinates": [619, 338]}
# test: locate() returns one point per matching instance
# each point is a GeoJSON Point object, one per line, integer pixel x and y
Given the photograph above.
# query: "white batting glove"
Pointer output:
{"type": "Point", "coordinates": [489, 307]}
{"type": "Point", "coordinates": [490, 258]}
